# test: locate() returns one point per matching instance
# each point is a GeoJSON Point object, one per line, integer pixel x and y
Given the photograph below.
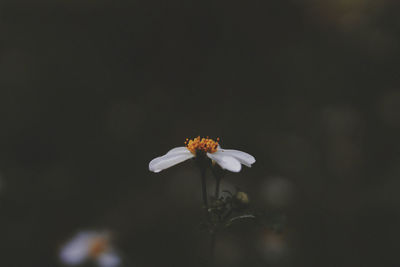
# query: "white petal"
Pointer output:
{"type": "Point", "coordinates": [181, 149]}
{"type": "Point", "coordinates": [77, 249]}
{"type": "Point", "coordinates": [169, 160]}
{"type": "Point", "coordinates": [243, 157]}
{"type": "Point", "coordinates": [225, 161]}
{"type": "Point", "coordinates": [109, 259]}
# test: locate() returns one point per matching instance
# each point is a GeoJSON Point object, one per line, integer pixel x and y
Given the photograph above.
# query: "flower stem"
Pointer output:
{"type": "Point", "coordinates": [214, 231]}
{"type": "Point", "coordinates": [212, 249]}
{"type": "Point", "coordinates": [217, 183]}
{"type": "Point", "coordinates": [204, 187]}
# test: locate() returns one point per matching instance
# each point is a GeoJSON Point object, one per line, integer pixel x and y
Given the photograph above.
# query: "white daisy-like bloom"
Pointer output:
{"type": "Point", "coordinates": [227, 159]}
{"type": "Point", "coordinates": [90, 245]}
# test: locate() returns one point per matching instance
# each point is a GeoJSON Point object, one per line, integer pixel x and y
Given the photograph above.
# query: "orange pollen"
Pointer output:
{"type": "Point", "coordinates": [97, 246]}
{"type": "Point", "coordinates": [203, 144]}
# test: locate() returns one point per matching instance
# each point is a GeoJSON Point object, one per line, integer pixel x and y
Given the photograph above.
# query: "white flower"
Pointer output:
{"type": "Point", "coordinates": [228, 159]}
{"type": "Point", "coordinates": [90, 245]}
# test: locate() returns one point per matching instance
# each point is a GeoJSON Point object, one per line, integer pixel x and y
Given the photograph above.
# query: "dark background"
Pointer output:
{"type": "Point", "coordinates": [91, 91]}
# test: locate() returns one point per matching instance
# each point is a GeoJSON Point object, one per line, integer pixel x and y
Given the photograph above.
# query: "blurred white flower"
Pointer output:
{"type": "Point", "coordinates": [273, 246]}
{"type": "Point", "coordinates": [228, 159]}
{"type": "Point", "coordinates": [90, 245]}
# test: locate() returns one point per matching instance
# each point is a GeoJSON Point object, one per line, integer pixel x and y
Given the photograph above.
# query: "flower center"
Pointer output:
{"type": "Point", "coordinates": [97, 246]}
{"type": "Point", "coordinates": [206, 145]}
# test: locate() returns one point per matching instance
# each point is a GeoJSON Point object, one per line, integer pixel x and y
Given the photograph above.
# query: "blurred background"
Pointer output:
{"type": "Point", "coordinates": [91, 91]}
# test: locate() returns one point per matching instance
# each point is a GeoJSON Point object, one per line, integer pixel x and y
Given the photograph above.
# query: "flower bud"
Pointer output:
{"type": "Point", "coordinates": [242, 197]}
{"type": "Point", "coordinates": [241, 200]}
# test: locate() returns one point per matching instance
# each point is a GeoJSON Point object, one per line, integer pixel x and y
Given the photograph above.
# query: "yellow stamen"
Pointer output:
{"type": "Point", "coordinates": [97, 246]}
{"type": "Point", "coordinates": [203, 144]}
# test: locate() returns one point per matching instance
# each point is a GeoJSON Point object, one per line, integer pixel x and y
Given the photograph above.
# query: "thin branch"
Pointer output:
{"type": "Point", "coordinates": [247, 216]}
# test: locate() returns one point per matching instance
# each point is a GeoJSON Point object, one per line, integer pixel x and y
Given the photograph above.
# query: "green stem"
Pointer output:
{"type": "Point", "coordinates": [217, 183]}
{"type": "Point", "coordinates": [212, 249]}
{"type": "Point", "coordinates": [204, 187]}
{"type": "Point", "coordinates": [214, 231]}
